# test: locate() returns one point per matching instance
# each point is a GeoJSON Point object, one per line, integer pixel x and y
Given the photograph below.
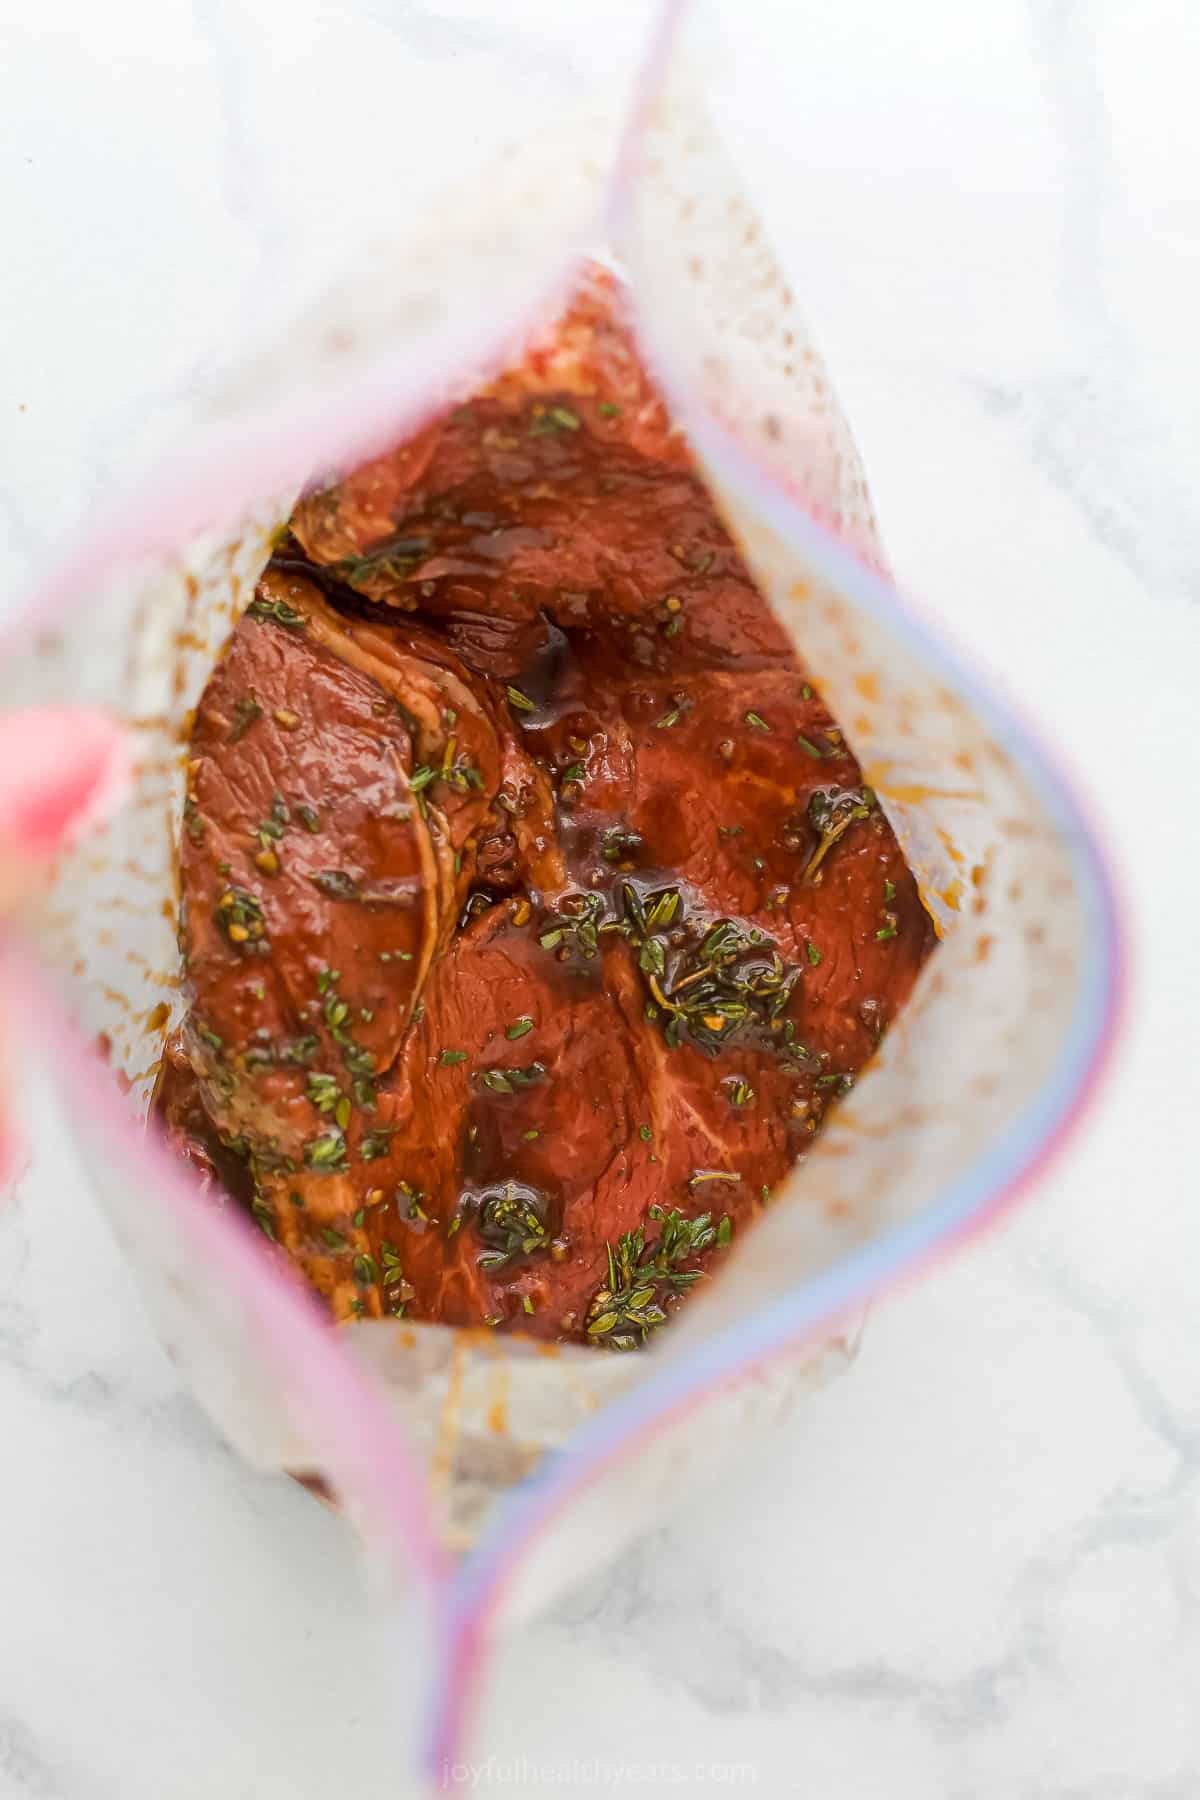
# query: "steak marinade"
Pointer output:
{"type": "Point", "coordinates": [534, 911]}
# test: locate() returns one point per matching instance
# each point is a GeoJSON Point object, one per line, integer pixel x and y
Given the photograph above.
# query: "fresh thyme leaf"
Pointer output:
{"type": "Point", "coordinates": [518, 1028]}
{"type": "Point", "coordinates": [811, 952]}
{"type": "Point", "coordinates": [888, 931]}
{"type": "Point", "coordinates": [831, 812]}
{"type": "Point", "coordinates": [653, 958]}
{"type": "Point", "coordinates": [554, 419]}
{"type": "Point", "coordinates": [449, 1057]}
{"type": "Point", "coordinates": [323, 1091]}
{"type": "Point", "coordinates": [240, 916]}
{"type": "Point", "coordinates": [520, 702]}
{"type": "Point", "coordinates": [622, 1313]}
{"type": "Point", "coordinates": [245, 714]}
{"type": "Point", "coordinates": [511, 1223]}
{"type": "Point", "coordinates": [278, 611]}
{"type": "Point", "coordinates": [327, 1154]}
{"type": "Point", "coordinates": [336, 883]}
{"type": "Point", "coordinates": [662, 910]}
{"type": "Point", "coordinates": [507, 1081]}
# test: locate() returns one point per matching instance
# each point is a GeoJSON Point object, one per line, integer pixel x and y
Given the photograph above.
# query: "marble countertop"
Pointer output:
{"type": "Point", "coordinates": [971, 1568]}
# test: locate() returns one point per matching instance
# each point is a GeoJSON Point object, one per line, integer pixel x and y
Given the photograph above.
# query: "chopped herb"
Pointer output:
{"type": "Point", "coordinates": [507, 1081]}
{"type": "Point", "coordinates": [645, 1133]}
{"type": "Point", "coordinates": [629, 1306]}
{"type": "Point", "coordinates": [725, 1231]}
{"type": "Point", "coordinates": [573, 772]}
{"type": "Point", "coordinates": [518, 1028]}
{"type": "Point", "coordinates": [240, 916]}
{"type": "Point", "coordinates": [811, 952]}
{"type": "Point", "coordinates": [333, 1238]}
{"type": "Point", "coordinates": [740, 1093]}
{"type": "Point", "coordinates": [888, 931]}
{"type": "Point", "coordinates": [511, 1223]}
{"type": "Point", "coordinates": [532, 1133]}
{"type": "Point", "coordinates": [554, 419]}
{"type": "Point", "coordinates": [653, 958]}
{"type": "Point", "coordinates": [309, 818]}
{"type": "Point", "coordinates": [336, 883]}
{"type": "Point", "coordinates": [327, 1154]}
{"type": "Point", "coordinates": [377, 1143]}
{"type": "Point", "coordinates": [757, 722]}
{"type": "Point", "coordinates": [808, 747]}
{"type": "Point", "coordinates": [245, 714]}
{"type": "Point", "coordinates": [520, 702]}
{"type": "Point", "coordinates": [323, 1091]}
{"type": "Point", "coordinates": [341, 1113]}
{"type": "Point", "coordinates": [277, 610]}
{"type": "Point", "coordinates": [366, 1272]}
{"type": "Point", "coordinates": [452, 1056]}
{"type": "Point", "coordinates": [607, 409]}
{"type": "Point", "coordinates": [618, 845]}
{"type": "Point", "coordinates": [831, 812]}
{"type": "Point", "coordinates": [662, 910]}
{"type": "Point", "coordinates": [889, 890]}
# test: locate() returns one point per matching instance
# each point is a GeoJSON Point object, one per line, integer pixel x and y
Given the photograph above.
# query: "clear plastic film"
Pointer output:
{"type": "Point", "coordinates": [537, 1461]}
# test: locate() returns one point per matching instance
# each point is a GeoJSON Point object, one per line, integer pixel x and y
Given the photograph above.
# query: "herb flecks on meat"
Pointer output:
{"type": "Point", "coordinates": [534, 914]}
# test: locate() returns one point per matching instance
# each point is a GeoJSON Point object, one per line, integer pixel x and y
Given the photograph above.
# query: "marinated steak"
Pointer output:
{"type": "Point", "coordinates": [534, 910]}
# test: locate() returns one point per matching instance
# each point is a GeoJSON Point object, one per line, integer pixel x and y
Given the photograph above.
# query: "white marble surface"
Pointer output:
{"type": "Point", "coordinates": [971, 1569]}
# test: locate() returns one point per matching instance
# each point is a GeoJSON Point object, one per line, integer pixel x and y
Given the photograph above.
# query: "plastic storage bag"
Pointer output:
{"type": "Point", "coordinates": [976, 1081]}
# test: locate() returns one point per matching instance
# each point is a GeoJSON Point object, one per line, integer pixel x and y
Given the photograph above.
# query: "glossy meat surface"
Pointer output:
{"type": "Point", "coordinates": [534, 911]}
